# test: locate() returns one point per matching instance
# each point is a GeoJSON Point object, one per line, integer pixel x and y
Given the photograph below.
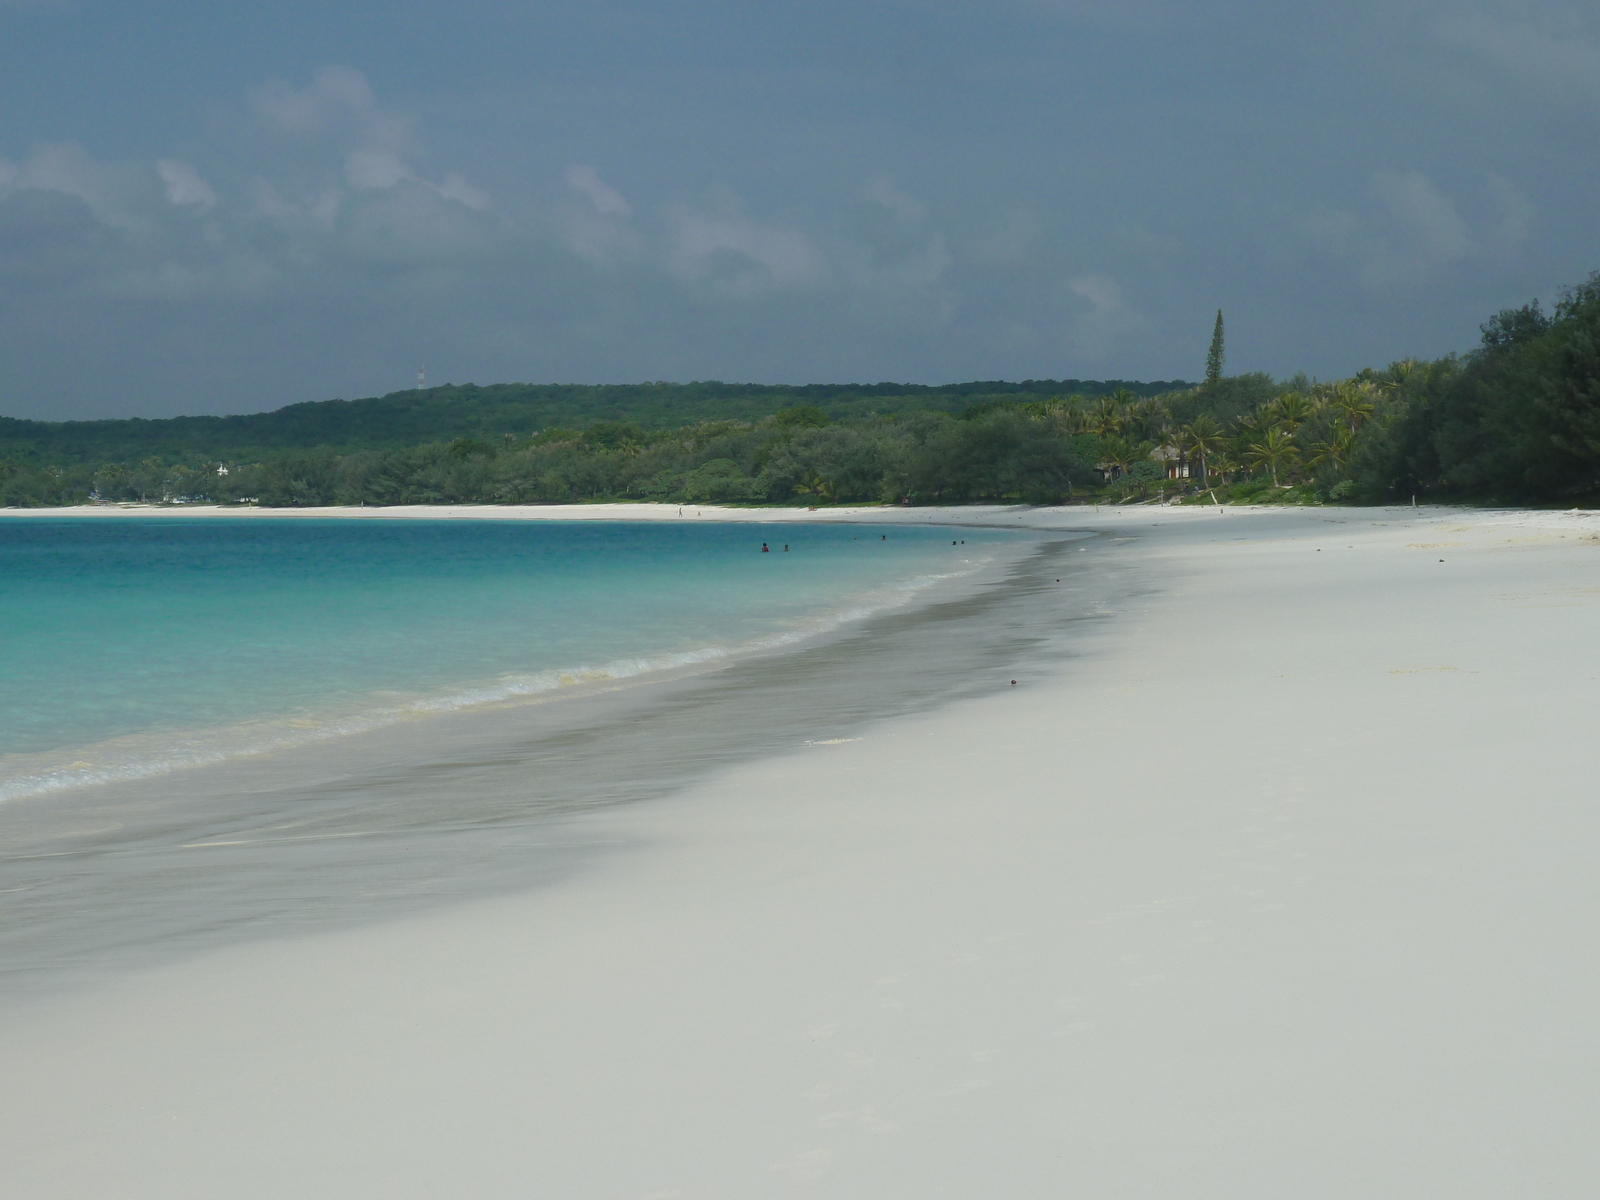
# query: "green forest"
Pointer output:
{"type": "Point", "coordinates": [442, 414]}
{"type": "Point", "coordinates": [1515, 420]}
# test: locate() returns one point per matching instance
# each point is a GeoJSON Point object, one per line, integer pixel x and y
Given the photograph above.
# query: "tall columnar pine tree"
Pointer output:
{"type": "Point", "coordinates": [1214, 356]}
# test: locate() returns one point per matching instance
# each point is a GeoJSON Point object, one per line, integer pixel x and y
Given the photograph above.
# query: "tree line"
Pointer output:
{"type": "Point", "coordinates": [1517, 419]}
{"type": "Point", "coordinates": [1241, 434]}
{"type": "Point", "coordinates": [442, 414]}
{"type": "Point", "coordinates": [796, 455]}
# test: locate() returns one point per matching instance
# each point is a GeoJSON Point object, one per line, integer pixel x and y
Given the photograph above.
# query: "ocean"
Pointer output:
{"type": "Point", "coordinates": [215, 728]}
{"type": "Point", "coordinates": [133, 647]}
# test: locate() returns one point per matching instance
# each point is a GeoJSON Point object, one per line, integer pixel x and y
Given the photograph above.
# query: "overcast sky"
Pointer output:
{"type": "Point", "coordinates": [224, 207]}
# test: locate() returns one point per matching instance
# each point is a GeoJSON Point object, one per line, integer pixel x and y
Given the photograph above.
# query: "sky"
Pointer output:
{"type": "Point", "coordinates": [214, 208]}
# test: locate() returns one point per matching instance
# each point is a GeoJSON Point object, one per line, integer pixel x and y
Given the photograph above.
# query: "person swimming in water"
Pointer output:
{"type": "Point", "coordinates": [764, 548]}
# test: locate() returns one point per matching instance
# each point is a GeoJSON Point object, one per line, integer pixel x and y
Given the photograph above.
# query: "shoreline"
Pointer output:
{"type": "Point", "coordinates": [273, 732]}
{"type": "Point", "coordinates": [1280, 885]}
{"type": "Point", "coordinates": [1045, 518]}
{"type": "Point", "coordinates": [354, 813]}
{"type": "Point", "coordinates": [603, 510]}
{"type": "Point", "coordinates": [947, 514]}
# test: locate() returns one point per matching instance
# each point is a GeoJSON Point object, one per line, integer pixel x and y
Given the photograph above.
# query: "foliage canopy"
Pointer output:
{"type": "Point", "coordinates": [1516, 419]}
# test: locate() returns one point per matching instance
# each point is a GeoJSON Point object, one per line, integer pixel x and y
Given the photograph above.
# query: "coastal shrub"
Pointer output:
{"type": "Point", "coordinates": [720, 479]}
{"type": "Point", "coordinates": [1517, 419]}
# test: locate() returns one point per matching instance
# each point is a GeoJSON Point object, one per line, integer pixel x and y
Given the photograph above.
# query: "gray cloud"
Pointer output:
{"type": "Point", "coordinates": [1549, 48]}
{"type": "Point", "coordinates": [720, 245]}
{"type": "Point", "coordinates": [894, 190]}
{"type": "Point", "coordinates": [185, 188]}
{"type": "Point", "coordinates": [606, 200]}
{"type": "Point", "coordinates": [1105, 318]}
{"type": "Point", "coordinates": [1421, 230]}
{"type": "Point", "coordinates": [1516, 210]}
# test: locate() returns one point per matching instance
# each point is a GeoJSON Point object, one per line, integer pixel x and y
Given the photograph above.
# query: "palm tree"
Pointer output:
{"type": "Point", "coordinates": [1230, 458]}
{"type": "Point", "coordinates": [1068, 416]}
{"type": "Point", "coordinates": [1336, 449]}
{"type": "Point", "coordinates": [1355, 400]}
{"type": "Point", "coordinates": [1105, 418]}
{"type": "Point", "coordinates": [1292, 410]}
{"type": "Point", "coordinates": [1201, 437]}
{"type": "Point", "coordinates": [1146, 415]}
{"type": "Point", "coordinates": [816, 485]}
{"type": "Point", "coordinates": [1252, 425]}
{"type": "Point", "coordinates": [1275, 451]}
{"type": "Point", "coordinates": [1402, 371]}
{"type": "Point", "coordinates": [1117, 454]}
{"type": "Point", "coordinates": [1248, 432]}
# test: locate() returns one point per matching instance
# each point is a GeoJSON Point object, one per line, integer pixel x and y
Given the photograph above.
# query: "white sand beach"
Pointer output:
{"type": "Point", "coordinates": [1284, 887]}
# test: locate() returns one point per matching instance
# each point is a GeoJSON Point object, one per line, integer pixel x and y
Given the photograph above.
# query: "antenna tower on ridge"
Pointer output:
{"type": "Point", "coordinates": [422, 378]}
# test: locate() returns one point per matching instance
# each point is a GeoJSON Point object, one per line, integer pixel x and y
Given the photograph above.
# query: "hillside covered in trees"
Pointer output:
{"type": "Point", "coordinates": [1515, 420]}
{"type": "Point", "coordinates": [441, 414]}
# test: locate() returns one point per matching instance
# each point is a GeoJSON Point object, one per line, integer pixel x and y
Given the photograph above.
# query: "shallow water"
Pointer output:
{"type": "Point", "coordinates": [136, 646]}
{"type": "Point", "coordinates": [471, 803]}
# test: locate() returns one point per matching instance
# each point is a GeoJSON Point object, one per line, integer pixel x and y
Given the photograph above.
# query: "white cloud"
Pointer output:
{"type": "Point", "coordinates": [741, 254]}
{"type": "Point", "coordinates": [339, 98]}
{"type": "Point", "coordinates": [414, 227]}
{"type": "Point", "coordinates": [1516, 210]}
{"type": "Point", "coordinates": [886, 195]}
{"type": "Point", "coordinates": [361, 200]}
{"type": "Point", "coordinates": [901, 280]}
{"type": "Point", "coordinates": [117, 194]}
{"type": "Point", "coordinates": [597, 226]}
{"type": "Point", "coordinates": [317, 209]}
{"type": "Point", "coordinates": [268, 203]}
{"type": "Point", "coordinates": [917, 268]}
{"type": "Point", "coordinates": [339, 107]}
{"type": "Point", "coordinates": [369, 168]}
{"type": "Point", "coordinates": [1417, 232]}
{"type": "Point", "coordinates": [1409, 232]}
{"type": "Point", "coordinates": [1334, 228]}
{"type": "Point", "coordinates": [65, 167]}
{"type": "Point", "coordinates": [1010, 240]}
{"type": "Point", "coordinates": [324, 207]}
{"type": "Point", "coordinates": [1405, 235]}
{"type": "Point", "coordinates": [1420, 211]}
{"type": "Point", "coordinates": [1106, 320]}
{"type": "Point", "coordinates": [607, 201]}
{"type": "Point", "coordinates": [458, 189]}
{"type": "Point", "coordinates": [894, 263]}
{"type": "Point", "coordinates": [185, 188]}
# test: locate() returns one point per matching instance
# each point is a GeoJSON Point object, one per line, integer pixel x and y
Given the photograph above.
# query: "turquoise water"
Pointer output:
{"type": "Point", "coordinates": [135, 645]}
